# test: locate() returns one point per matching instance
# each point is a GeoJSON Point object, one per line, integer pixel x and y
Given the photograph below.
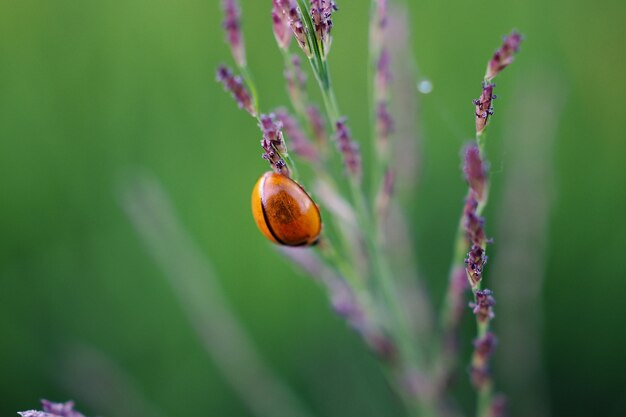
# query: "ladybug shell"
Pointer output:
{"type": "Point", "coordinates": [284, 212]}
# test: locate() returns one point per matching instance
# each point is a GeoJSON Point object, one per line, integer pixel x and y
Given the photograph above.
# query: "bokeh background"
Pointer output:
{"type": "Point", "coordinates": [93, 92]}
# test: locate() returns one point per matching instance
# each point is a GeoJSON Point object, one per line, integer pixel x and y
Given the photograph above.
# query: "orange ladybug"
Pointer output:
{"type": "Point", "coordinates": [284, 212]}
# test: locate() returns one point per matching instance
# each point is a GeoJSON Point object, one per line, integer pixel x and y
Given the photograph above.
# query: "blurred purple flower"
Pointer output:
{"type": "Point", "coordinates": [349, 149]}
{"type": "Point", "coordinates": [383, 74]}
{"type": "Point", "coordinates": [288, 8]}
{"type": "Point", "coordinates": [234, 84]}
{"type": "Point", "coordinates": [51, 409]}
{"type": "Point", "coordinates": [280, 23]}
{"type": "Point", "coordinates": [483, 349]}
{"type": "Point", "coordinates": [475, 170]}
{"type": "Point", "coordinates": [232, 26]}
{"type": "Point", "coordinates": [321, 15]}
{"type": "Point", "coordinates": [300, 144]}
{"type": "Point", "coordinates": [384, 125]}
{"type": "Point", "coordinates": [483, 307]}
{"type": "Point", "coordinates": [317, 124]}
{"type": "Point", "coordinates": [504, 55]}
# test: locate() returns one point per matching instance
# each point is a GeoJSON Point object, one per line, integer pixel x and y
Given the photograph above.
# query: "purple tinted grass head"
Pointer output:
{"type": "Point", "coordinates": [473, 224]}
{"type": "Point", "coordinates": [349, 150]}
{"type": "Point", "coordinates": [299, 142]}
{"type": "Point", "coordinates": [483, 306]}
{"type": "Point", "coordinates": [296, 79]}
{"type": "Point", "coordinates": [273, 143]}
{"type": "Point", "coordinates": [484, 106]}
{"type": "Point", "coordinates": [483, 350]}
{"type": "Point", "coordinates": [385, 195]}
{"type": "Point", "coordinates": [381, 10]}
{"type": "Point", "coordinates": [475, 170]}
{"type": "Point", "coordinates": [504, 55]}
{"type": "Point", "coordinates": [51, 409]}
{"type": "Point", "coordinates": [296, 75]}
{"type": "Point", "coordinates": [317, 124]}
{"type": "Point", "coordinates": [272, 131]}
{"type": "Point", "coordinates": [474, 265]}
{"type": "Point", "coordinates": [294, 19]}
{"type": "Point", "coordinates": [232, 26]}
{"type": "Point", "coordinates": [384, 125]}
{"type": "Point", "coordinates": [280, 24]}
{"type": "Point", "coordinates": [383, 74]}
{"type": "Point", "coordinates": [234, 84]}
{"type": "Point", "coordinates": [321, 15]}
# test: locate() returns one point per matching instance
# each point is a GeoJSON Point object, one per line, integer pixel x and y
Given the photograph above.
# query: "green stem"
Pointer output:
{"type": "Point", "coordinates": [247, 78]}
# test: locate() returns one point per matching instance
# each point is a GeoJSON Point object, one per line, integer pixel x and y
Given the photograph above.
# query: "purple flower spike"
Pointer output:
{"type": "Point", "coordinates": [280, 23]}
{"type": "Point", "coordinates": [51, 409]}
{"type": "Point", "coordinates": [474, 264]}
{"type": "Point", "coordinates": [383, 74]}
{"type": "Point", "coordinates": [232, 26]}
{"type": "Point", "coordinates": [384, 125]}
{"type": "Point", "coordinates": [385, 195]}
{"type": "Point", "coordinates": [484, 107]}
{"type": "Point", "coordinates": [288, 8]}
{"type": "Point", "coordinates": [296, 79]}
{"type": "Point", "coordinates": [234, 84]}
{"type": "Point", "coordinates": [321, 14]}
{"type": "Point", "coordinates": [349, 149]}
{"type": "Point", "coordinates": [317, 124]}
{"type": "Point", "coordinates": [483, 349]}
{"type": "Point", "coordinates": [483, 306]}
{"type": "Point", "coordinates": [300, 144]}
{"type": "Point", "coordinates": [273, 143]}
{"type": "Point", "coordinates": [272, 131]}
{"type": "Point", "coordinates": [475, 171]}
{"type": "Point", "coordinates": [504, 55]}
{"type": "Point", "coordinates": [473, 223]}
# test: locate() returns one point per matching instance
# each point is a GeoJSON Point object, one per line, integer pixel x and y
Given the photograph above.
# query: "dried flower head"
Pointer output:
{"type": "Point", "coordinates": [51, 409]}
{"type": "Point", "coordinates": [232, 26]}
{"type": "Point", "coordinates": [484, 107]}
{"type": "Point", "coordinates": [349, 149]}
{"type": "Point", "coordinates": [504, 55]}
{"type": "Point", "coordinates": [300, 144]}
{"type": "Point", "coordinates": [234, 84]}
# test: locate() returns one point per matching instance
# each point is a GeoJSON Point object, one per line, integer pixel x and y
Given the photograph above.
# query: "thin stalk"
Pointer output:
{"type": "Point", "coordinates": [410, 356]}
{"type": "Point", "coordinates": [381, 161]}
{"type": "Point", "coordinates": [247, 78]}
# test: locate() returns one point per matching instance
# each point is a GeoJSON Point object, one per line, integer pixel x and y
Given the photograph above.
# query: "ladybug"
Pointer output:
{"type": "Point", "coordinates": [284, 212]}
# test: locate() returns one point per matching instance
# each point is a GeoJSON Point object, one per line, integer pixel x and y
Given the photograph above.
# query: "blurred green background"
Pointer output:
{"type": "Point", "coordinates": [90, 91]}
